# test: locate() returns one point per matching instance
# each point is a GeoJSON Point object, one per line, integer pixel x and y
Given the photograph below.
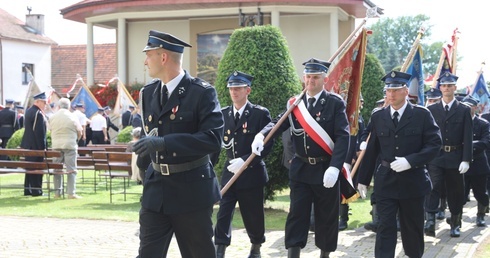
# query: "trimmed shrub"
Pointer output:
{"type": "Point", "coordinates": [124, 135]}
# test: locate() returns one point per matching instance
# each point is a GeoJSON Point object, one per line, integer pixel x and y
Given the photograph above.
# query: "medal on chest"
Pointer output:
{"type": "Point", "coordinates": [174, 110]}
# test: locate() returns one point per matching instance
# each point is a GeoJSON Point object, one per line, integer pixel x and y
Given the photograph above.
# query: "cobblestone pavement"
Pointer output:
{"type": "Point", "coordinates": [49, 237]}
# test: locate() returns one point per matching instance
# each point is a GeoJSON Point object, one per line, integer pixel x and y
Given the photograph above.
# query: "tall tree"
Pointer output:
{"type": "Point", "coordinates": [393, 37]}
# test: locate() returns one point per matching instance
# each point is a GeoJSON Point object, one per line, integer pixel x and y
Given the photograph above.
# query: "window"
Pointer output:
{"type": "Point", "coordinates": [210, 49]}
{"type": "Point", "coordinates": [27, 73]}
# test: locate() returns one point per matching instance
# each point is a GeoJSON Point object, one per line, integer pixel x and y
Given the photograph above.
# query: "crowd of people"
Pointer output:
{"type": "Point", "coordinates": [421, 158]}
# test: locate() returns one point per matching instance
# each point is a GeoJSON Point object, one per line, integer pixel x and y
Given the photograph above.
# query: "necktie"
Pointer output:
{"type": "Point", "coordinates": [164, 96]}
{"type": "Point", "coordinates": [237, 117]}
{"type": "Point", "coordinates": [446, 107]}
{"type": "Point", "coordinates": [310, 104]}
{"type": "Point", "coordinates": [395, 118]}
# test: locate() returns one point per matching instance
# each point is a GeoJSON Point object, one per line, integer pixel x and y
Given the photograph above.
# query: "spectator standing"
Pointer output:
{"type": "Point", "coordinates": [98, 124]}
{"type": "Point", "coordinates": [126, 117]}
{"type": "Point", "coordinates": [35, 139]}
{"type": "Point", "coordinates": [65, 131]}
{"type": "Point", "coordinates": [453, 159]}
{"type": "Point", "coordinates": [84, 121]}
{"type": "Point", "coordinates": [314, 172]}
{"type": "Point", "coordinates": [184, 123]}
{"type": "Point", "coordinates": [8, 123]}
{"type": "Point", "coordinates": [243, 120]}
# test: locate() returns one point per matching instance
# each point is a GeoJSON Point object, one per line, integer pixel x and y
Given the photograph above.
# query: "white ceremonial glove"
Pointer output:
{"type": "Point", "coordinates": [258, 144]}
{"type": "Point", "coordinates": [463, 167]}
{"type": "Point", "coordinates": [348, 166]}
{"type": "Point", "coordinates": [400, 164]}
{"type": "Point", "coordinates": [330, 177]}
{"type": "Point", "coordinates": [235, 165]}
{"type": "Point", "coordinates": [362, 190]}
{"type": "Point", "coordinates": [363, 146]}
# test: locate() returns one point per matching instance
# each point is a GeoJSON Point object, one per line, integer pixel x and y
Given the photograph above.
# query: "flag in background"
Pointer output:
{"type": "Point", "coordinates": [33, 90]}
{"type": "Point", "coordinates": [416, 82]}
{"type": "Point", "coordinates": [123, 100]}
{"type": "Point", "coordinates": [480, 92]}
{"type": "Point", "coordinates": [345, 78]}
{"type": "Point", "coordinates": [84, 96]}
{"type": "Point", "coordinates": [448, 60]}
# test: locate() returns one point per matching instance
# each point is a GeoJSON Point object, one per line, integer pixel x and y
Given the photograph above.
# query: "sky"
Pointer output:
{"type": "Point", "coordinates": [444, 18]}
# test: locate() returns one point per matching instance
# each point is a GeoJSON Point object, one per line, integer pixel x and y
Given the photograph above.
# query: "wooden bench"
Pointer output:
{"type": "Point", "coordinates": [19, 165]}
{"type": "Point", "coordinates": [114, 165]}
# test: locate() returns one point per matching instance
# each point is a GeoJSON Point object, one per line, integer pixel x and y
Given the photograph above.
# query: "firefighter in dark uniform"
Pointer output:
{"type": "Point", "coordinates": [476, 177]}
{"type": "Point", "coordinates": [8, 123]}
{"type": "Point", "coordinates": [35, 139]}
{"type": "Point", "coordinates": [405, 137]}
{"type": "Point", "coordinates": [184, 124]}
{"type": "Point", "coordinates": [454, 157]}
{"type": "Point", "coordinates": [109, 123]}
{"type": "Point", "coordinates": [126, 116]}
{"type": "Point", "coordinates": [243, 120]}
{"type": "Point", "coordinates": [20, 115]}
{"type": "Point", "coordinates": [314, 174]}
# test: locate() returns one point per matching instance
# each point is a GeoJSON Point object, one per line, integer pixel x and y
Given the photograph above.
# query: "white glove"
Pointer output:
{"type": "Point", "coordinates": [363, 146]}
{"type": "Point", "coordinates": [400, 164]}
{"type": "Point", "coordinates": [258, 144]}
{"type": "Point", "coordinates": [330, 177]}
{"type": "Point", "coordinates": [235, 165]}
{"type": "Point", "coordinates": [347, 166]}
{"type": "Point", "coordinates": [463, 167]}
{"type": "Point", "coordinates": [362, 190]}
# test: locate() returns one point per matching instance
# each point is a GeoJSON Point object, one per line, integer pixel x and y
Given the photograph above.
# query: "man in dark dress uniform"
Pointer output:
{"type": "Point", "coordinates": [110, 124]}
{"type": "Point", "coordinates": [35, 139]}
{"type": "Point", "coordinates": [20, 115]}
{"type": "Point", "coordinates": [453, 159]}
{"type": "Point", "coordinates": [243, 120]}
{"type": "Point", "coordinates": [405, 137]}
{"type": "Point", "coordinates": [126, 116]}
{"type": "Point", "coordinates": [8, 123]}
{"type": "Point", "coordinates": [476, 177]}
{"type": "Point", "coordinates": [314, 170]}
{"type": "Point", "coordinates": [183, 120]}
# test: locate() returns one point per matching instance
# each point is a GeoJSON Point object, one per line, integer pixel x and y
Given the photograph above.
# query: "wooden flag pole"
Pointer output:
{"type": "Point", "coordinates": [369, 14]}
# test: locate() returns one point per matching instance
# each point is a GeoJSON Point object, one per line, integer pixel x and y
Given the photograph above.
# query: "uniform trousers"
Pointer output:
{"type": "Point", "coordinates": [193, 231]}
{"type": "Point", "coordinates": [326, 205]}
{"type": "Point", "coordinates": [479, 185]}
{"type": "Point", "coordinates": [33, 183]}
{"type": "Point", "coordinates": [98, 137]}
{"type": "Point", "coordinates": [454, 182]}
{"type": "Point", "coordinates": [411, 214]}
{"type": "Point", "coordinates": [251, 203]}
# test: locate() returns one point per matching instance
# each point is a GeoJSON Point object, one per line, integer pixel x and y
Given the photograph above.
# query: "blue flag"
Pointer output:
{"type": "Point", "coordinates": [481, 93]}
{"type": "Point", "coordinates": [84, 96]}
{"type": "Point", "coordinates": [416, 82]}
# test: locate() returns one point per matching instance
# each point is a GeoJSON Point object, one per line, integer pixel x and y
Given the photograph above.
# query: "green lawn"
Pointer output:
{"type": "Point", "coordinates": [95, 205]}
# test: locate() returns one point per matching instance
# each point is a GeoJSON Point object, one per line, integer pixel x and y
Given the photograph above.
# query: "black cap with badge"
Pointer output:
{"type": "Point", "coordinates": [316, 66]}
{"type": "Point", "coordinates": [239, 79]}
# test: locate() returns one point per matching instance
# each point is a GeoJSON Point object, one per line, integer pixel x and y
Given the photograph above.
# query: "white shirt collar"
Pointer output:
{"type": "Point", "coordinates": [240, 111]}
{"type": "Point", "coordinates": [450, 104]}
{"type": "Point", "coordinates": [317, 96]}
{"type": "Point", "coordinates": [172, 84]}
{"type": "Point", "coordinates": [400, 110]}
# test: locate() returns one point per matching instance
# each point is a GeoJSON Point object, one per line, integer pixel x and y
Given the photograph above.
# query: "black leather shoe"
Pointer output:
{"type": "Point", "coordinates": [480, 221]}
{"type": "Point", "coordinates": [343, 225]}
{"type": "Point", "coordinates": [293, 252]}
{"type": "Point", "coordinates": [455, 232]}
{"type": "Point", "coordinates": [254, 251]}
{"type": "Point", "coordinates": [220, 251]}
{"type": "Point", "coordinates": [430, 225]}
{"type": "Point", "coordinates": [440, 215]}
{"type": "Point", "coordinates": [324, 254]}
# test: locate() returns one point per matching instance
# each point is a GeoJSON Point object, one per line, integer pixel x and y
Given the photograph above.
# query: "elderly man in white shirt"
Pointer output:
{"type": "Point", "coordinates": [65, 131]}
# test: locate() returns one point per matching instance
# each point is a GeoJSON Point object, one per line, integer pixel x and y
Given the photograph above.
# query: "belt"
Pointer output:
{"type": "Point", "coordinates": [167, 169]}
{"type": "Point", "coordinates": [447, 148]}
{"type": "Point", "coordinates": [314, 160]}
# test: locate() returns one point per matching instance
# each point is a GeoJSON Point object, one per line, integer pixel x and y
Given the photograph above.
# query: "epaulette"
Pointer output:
{"type": "Point", "coordinates": [225, 108]}
{"type": "Point", "coordinates": [335, 94]}
{"type": "Point", "coordinates": [376, 110]}
{"type": "Point", "coordinates": [258, 107]}
{"type": "Point", "coordinates": [419, 106]}
{"type": "Point", "coordinates": [200, 82]}
{"type": "Point", "coordinates": [152, 82]}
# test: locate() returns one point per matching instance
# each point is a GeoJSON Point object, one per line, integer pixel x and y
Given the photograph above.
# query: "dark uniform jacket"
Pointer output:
{"type": "Point", "coordinates": [8, 123]}
{"type": "Point", "coordinates": [416, 138]}
{"type": "Point", "coordinates": [125, 118]}
{"type": "Point", "coordinates": [35, 130]}
{"type": "Point", "coordinates": [110, 124]}
{"type": "Point", "coordinates": [457, 134]}
{"type": "Point", "coordinates": [237, 140]}
{"type": "Point", "coordinates": [329, 112]}
{"type": "Point", "coordinates": [481, 143]}
{"type": "Point", "coordinates": [192, 126]}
